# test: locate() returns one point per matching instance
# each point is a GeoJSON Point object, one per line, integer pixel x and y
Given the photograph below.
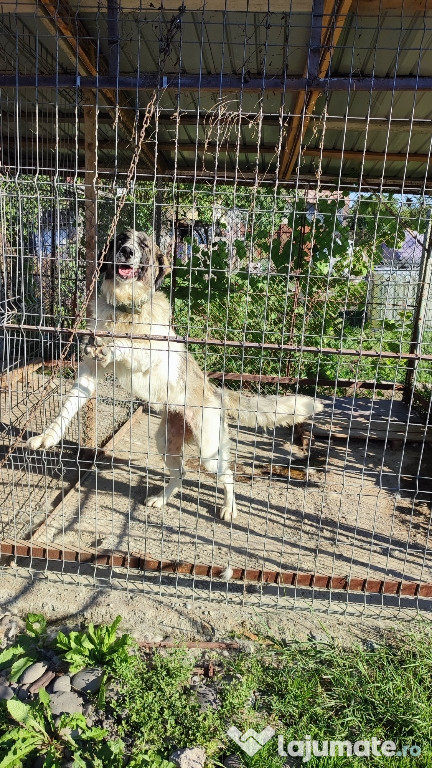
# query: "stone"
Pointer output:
{"type": "Point", "coordinates": [22, 692]}
{"type": "Point", "coordinates": [33, 673]}
{"type": "Point", "coordinates": [8, 620]}
{"type": "Point", "coordinates": [14, 627]}
{"type": "Point", "coordinates": [42, 682]}
{"type": "Point", "coordinates": [62, 683]}
{"type": "Point", "coordinates": [190, 757]}
{"type": "Point", "coordinates": [320, 637]}
{"type": "Point", "coordinates": [89, 714]}
{"type": "Point", "coordinates": [207, 698]}
{"type": "Point", "coordinates": [370, 646]}
{"type": "Point", "coordinates": [232, 761]}
{"type": "Point", "coordinates": [112, 689]}
{"type": "Point", "coordinates": [156, 639]}
{"type": "Point", "coordinates": [66, 702]}
{"type": "Point", "coordinates": [6, 692]}
{"type": "Point", "coordinates": [88, 680]}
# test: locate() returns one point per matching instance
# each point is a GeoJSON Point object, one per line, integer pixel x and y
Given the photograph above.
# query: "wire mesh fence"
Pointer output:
{"type": "Point", "coordinates": [279, 164]}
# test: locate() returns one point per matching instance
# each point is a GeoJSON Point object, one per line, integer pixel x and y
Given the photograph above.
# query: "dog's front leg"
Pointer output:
{"type": "Point", "coordinates": [106, 353]}
{"type": "Point", "coordinates": [83, 388]}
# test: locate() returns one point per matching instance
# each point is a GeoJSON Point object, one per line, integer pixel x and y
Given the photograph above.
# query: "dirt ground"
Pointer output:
{"type": "Point", "coordinates": [349, 507]}
{"type": "Point", "coordinates": [157, 609]}
{"type": "Point", "coordinates": [348, 516]}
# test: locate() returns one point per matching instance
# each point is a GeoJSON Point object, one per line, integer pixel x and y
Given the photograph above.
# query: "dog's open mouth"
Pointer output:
{"type": "Point", "coordinates": [127, 272]}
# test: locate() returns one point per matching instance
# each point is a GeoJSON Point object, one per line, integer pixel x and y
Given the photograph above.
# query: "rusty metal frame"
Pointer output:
{"type": "Point", "coordinates": [302, 348]}
{"type": "Point", "coordinates": [229, 83]}
{"type": "Point", "coordinates": [144, 562]}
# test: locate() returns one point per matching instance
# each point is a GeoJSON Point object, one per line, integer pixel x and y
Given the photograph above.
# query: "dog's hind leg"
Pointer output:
{"type": "Point", "coordinates": [215, 455]}
{"type": "Point", "coordinates": [170, 438]}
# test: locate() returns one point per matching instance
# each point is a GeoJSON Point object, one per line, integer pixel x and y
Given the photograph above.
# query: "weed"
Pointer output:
{"type": "Point", "coordinates": [27, 648]}
{"type": "Point", "coordinates": [37, 734]}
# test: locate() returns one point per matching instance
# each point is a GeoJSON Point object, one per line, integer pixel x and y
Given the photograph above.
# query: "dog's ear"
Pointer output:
{"type": "Point", "coordinates": [164, 267]}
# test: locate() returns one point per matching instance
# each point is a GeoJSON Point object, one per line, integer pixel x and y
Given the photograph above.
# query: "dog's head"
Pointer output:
{"type": "Point", "coordinates": [133, 257]}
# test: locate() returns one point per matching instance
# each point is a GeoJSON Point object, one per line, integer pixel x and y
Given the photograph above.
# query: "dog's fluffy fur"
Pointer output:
{"type": "Point", "coordinates": [163, 374]}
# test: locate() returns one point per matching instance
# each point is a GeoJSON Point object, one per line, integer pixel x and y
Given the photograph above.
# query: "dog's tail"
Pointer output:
{"type": "Point", "coordinates": [270, 411]}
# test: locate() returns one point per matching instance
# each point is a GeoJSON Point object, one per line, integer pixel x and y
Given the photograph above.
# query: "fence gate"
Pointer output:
{"type": "Point", "coordinates": [280, 161]}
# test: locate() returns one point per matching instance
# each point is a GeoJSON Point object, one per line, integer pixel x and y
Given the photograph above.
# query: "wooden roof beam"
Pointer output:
{"type": "Point", "coordinates": [328, 18]}
{"type": "Point", "coordinates": [73, 36]}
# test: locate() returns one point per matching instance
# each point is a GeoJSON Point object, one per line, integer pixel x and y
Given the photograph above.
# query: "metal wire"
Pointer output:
{"type": "Point", "coordinates": [285, 170]}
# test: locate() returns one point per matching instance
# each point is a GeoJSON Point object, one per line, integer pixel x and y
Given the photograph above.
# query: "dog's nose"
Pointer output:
{"type": "Point", "coordinates": [126, 252]}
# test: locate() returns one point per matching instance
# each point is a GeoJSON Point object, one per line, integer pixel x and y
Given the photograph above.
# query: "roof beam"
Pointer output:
{"type": "Point", "coordinates": [348, 154]}
{"type": "Point", "coordinates": [363, 7]}
{"type": "Point", "coordinates": [404, 125]}
{"type": "Point", "coordinates": [421, 185]}
{"type": "Point", "coordinates": [202, 147]}
{"type": "Point", "coordinates": [228, 84]}
{"type": "Point", "coordinates": [328, 18]}
{"type": "Point", "coordinates": [64, 19]}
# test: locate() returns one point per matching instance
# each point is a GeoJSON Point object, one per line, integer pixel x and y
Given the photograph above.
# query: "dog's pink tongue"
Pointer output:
{"type": "Point", "coordinates": [126, 271]}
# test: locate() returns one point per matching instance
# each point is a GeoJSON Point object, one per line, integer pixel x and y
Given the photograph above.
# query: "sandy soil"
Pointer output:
{"type": "Point", "coordinates": [347, 517]}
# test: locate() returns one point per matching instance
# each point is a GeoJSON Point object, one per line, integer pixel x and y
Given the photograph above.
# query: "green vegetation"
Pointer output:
{"type": "Point", "coordinates": [301, 689]}
{"type": "Point", "coordinates": [325, 691]}
{"type": "Point", "coordinates": [271, 267]}
{"type": "Point", "coordinates": [27, 648]}
{"type": "Point", "coordinates": [36, 733]}
{"type": "Point", "coordinates": [95, 647]}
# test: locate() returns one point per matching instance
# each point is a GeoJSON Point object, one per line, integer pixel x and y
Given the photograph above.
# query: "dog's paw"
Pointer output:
{"type": "Point", "coordinates": [89, 344]}
{"type": "Point", "coordinates": [43, 442]}
{"type": "Point", "coordinates": [98, 350]}
{"type": "Point", "coordinates": [104, 355]}
{"type": "Point", "coordinates": [228, 512]}
{"type": "Point", "coordinates": [157, 501]}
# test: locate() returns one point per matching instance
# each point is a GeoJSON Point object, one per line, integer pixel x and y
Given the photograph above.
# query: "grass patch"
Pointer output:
{"type": "Point", "coordinates": [303, 690]}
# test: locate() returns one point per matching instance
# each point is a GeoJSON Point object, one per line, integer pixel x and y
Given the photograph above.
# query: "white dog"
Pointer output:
{"type": "Point", "coordinates": [162, 373]}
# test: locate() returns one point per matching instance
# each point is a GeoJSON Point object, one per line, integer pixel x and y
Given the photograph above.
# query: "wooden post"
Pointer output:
{"type": "Point", "coordinates": [90, 178]}
{"type": "Point", "coordinates": [423, 291]}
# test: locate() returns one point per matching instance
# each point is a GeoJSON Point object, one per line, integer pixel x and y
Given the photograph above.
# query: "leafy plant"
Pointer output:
{"type": "Point", "coordinates": [27, 647]}
{"type": "Point", "coordinates": [150, 759]}
{"type": "Point", "coordinates": [37, 733]}
{"type": "Point", "coordinates": [97, 646]}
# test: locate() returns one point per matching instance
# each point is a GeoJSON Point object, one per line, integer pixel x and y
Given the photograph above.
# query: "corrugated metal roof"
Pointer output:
{"type": "Point", "coordinates": [43, 127]}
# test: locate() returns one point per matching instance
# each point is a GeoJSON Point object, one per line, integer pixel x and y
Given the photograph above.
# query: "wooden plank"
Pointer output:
{"type": "Point", "coordinates": [62, 17]}
{"type": "Point", "coordinates": [335, 14]}
{"type": "Point", "coordinates": [200, 147]}
{"type": "Point", "coordinates": [141, 561]}
{"type": "Point", "coordinates": [362, 418]}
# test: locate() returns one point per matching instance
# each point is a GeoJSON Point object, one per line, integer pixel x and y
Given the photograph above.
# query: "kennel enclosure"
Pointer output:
{"type": "Point", "coordinates": [280, 157]}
